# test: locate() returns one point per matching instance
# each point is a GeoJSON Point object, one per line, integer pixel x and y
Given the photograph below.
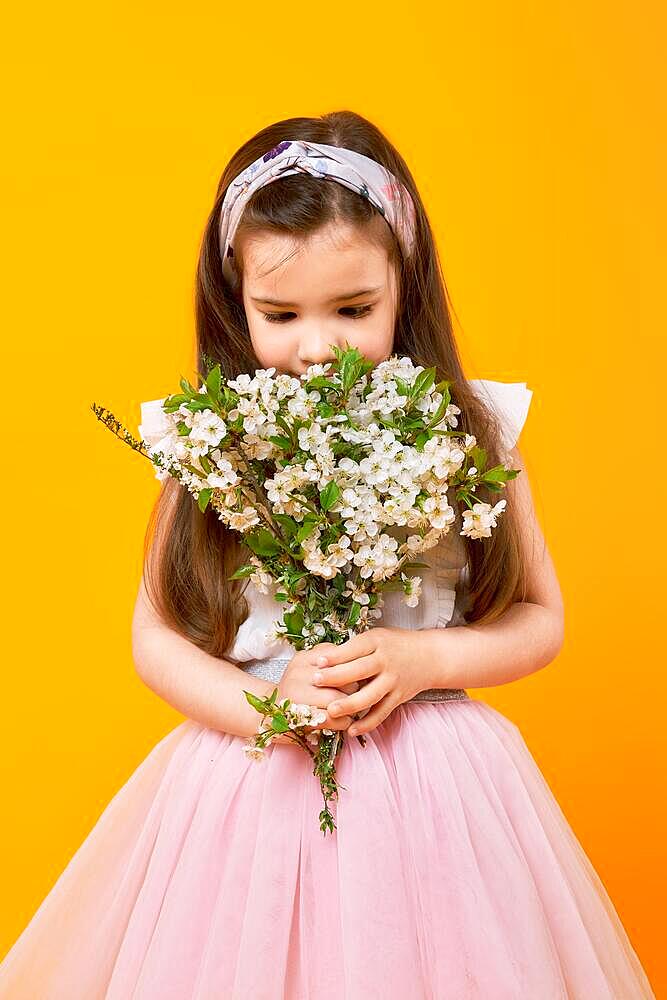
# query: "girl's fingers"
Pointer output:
{"type": "Point", "coordinates": [328, 694]}
{"type": "Point", "coordinates": [342, 722]}
{"type": "Point", "coordinates": [372, 719]}
{"type": "Point", "coordinates": [361, 645]}
{"type": "Point", "coordinates": [363, 699]}
{"type": "Point", "coordinates": [319, 654]}
{"type": "Point", "coordinates": [324, 696]}
{"type": "Point", "coordinates": [346, 673]}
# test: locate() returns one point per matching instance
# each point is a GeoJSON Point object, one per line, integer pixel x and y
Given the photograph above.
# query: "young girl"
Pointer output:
{"type": "Point", "coordinates": [452, 872]}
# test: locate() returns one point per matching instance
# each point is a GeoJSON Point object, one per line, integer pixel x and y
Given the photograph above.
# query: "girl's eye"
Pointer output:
{"type": "Point", "coordinates": [277, 317]}
{"type": "Point", "coordinates": [356, 311]}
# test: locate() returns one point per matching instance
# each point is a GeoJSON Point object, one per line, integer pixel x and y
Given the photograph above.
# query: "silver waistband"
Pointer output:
{"type": "Point", "coordinates": [274, 668]}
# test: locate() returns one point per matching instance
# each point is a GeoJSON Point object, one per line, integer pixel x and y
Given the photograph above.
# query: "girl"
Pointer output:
{"type": "Point", "coordinates": [452, 872]}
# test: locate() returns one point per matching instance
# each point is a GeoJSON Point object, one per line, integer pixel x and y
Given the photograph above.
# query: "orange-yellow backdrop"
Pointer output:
{"type": "Point", "coordinates": [536, 136]}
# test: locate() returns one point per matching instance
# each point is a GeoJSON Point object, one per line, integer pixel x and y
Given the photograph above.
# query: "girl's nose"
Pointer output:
{"type": "Point", "coordinates": [315, 346]}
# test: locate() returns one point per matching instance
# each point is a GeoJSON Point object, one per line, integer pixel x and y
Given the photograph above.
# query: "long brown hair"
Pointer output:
{"type": "Point", "coordinates": [189, 556]}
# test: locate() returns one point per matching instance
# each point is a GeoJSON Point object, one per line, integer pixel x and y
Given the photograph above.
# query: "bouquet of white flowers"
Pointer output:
{"type": "Point", "coordinates": [335, 481]}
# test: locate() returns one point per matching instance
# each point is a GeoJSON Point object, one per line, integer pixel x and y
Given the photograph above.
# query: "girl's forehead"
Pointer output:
{"type": "Point", "coordinates": [335, 236]}
{"type": "Point", "coordinates": [325, 266]}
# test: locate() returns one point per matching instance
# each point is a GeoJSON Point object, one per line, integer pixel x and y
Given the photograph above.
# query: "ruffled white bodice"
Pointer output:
{"type": "Point", "coordinates": [443, 598]}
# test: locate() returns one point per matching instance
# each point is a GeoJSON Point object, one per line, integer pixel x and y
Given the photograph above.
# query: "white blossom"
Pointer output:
{"type": "Point", "coordinates": [207, 428]}
{"type": "Point", "coordinates": [412, 588]}
{"type": "Point", "coordinates": [260, 579]}
{"type": "Point", "coordinates": [243, 520]}
{"type": "Point", "coordinates": [276, 448]}
{"type": "Point", "coordinates": [305, 715]}
{"type": "Point", "coordinates": [478, 522]}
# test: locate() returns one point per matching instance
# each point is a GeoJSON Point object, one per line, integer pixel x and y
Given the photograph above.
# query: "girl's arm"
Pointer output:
{"type": "Point", "coordinates": [399, 662]}
{"type": "Point", "coordinates": [530, 633]}
{"type": "Point", "coordinates": [198, 685]}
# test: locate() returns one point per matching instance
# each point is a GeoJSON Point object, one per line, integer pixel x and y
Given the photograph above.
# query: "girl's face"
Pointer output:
{"type": "Point", "coordinates": [337, 288]}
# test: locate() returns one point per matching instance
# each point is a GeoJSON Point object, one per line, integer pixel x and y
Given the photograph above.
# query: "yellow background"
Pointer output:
{"type": "Point", "coordinates": [535, 133]}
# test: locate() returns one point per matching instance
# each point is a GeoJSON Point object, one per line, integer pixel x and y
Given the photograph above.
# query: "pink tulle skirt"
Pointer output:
{"type": "Point", "coordinates": [452, 874]}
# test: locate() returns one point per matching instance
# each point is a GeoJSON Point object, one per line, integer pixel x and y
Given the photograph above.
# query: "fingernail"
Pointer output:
{"type": "Point", "coordinates": [353, 731]}
{"type": "Point", "coordinates": [321, 661]}
{"type": "Point", "coordinates": [317, 677]}
{"type": "Point", "coordinates": [333, 709]}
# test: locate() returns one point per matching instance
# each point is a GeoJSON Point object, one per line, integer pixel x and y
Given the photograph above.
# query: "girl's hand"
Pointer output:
{"type": "Point", "coordinates": [297, 685]}
{"type": "Point", "coordinates": [392, 665]}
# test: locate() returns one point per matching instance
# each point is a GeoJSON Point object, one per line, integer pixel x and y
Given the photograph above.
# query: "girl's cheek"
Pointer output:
{"type": "Point", "coordinates": [271, 352]}
{"type": "Point", "coordinates": [377, 347]}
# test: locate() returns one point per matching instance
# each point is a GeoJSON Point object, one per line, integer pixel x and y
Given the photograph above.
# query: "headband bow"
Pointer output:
{"type": "Point", "coordinates": [351, 169]}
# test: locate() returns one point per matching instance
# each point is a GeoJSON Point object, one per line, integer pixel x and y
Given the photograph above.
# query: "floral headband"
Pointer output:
{"type": "Point", "coordinates": [351, 169]}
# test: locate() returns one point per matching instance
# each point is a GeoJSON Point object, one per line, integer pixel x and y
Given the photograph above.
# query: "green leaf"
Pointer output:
{"type": "Point", "coordinates": [442, 387]}
{"type": "Point", "coordinates": [294, 621]}
{"type": "Point", "coordinates": [256, 702]}
{"type": "Point", "coordinates": [306, 528]}
{"type": "Point", "coordinates": [469, 499]}
{"type": "Point", "coordinates": [272, 697]}
{"type": "Point", "coordinates": [497, 474]}
{"type": "Point", "coordinates": [243, 571]}
{"type": "Point", "coordinates": [280, 724]}
{"type": "Point", "coordinates": [353, 616]}
{"type": "Point", "coordinates": [283, 424]}
{"type": "Point", "coordinates": [352, 365]}
{"type": "Point", "coordinates": [288, 524]}
{"type": "Point", "coordinates": [322, 382]}
{"type": "Point", "coordinates": [281, 442]}
{"type": "Point", "coordinates": [172, 403]}
{"type": "Point", "coordinates": [281, 597]}
{"type": "Point", "coordinates": [478, 457]}
{"type": "Point", "coordinates": [213, 381]}
{"type": "Point", "coordinates": [262, 543]}
{"type": "Point", "coordinates": [203, 499]}
{"type": "Point", "coordinates": [329, 495]}
{"type": "Point", "coordinates": [422, 384]}
{"type": "Point", "coordinates": [365, 367]}
{"type": "Point", "coordinates": [297, 641]}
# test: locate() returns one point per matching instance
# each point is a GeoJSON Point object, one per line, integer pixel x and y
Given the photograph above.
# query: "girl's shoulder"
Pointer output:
{"type": "Point", "coordinates": [509, 400]}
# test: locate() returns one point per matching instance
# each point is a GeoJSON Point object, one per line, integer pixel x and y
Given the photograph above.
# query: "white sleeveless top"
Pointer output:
{"type": "Point", "coordinates": [443, 598]}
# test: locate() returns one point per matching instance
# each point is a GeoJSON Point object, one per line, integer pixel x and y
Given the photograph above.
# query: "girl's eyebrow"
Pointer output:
{"type": "Point", "coordinates": [336, 298]}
